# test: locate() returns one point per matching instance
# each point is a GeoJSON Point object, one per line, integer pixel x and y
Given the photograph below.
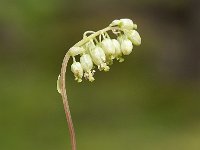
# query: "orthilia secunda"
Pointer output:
{"type": "Point", "coordinates": [98, 49]}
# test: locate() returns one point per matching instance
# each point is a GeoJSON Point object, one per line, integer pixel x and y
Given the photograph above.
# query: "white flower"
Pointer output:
{"type": "Point", "coordinates": [118, 52]}
{"type": "Point", "coordinates": [87, 65]}
{"type": "Point", "coordinates": [77, 69]}
{"type": "Point", "coordinates": [99, 58]}
{"type": "Point", "coordinates": [108, 48]}
{"type": "Point", "coordinates": [124, 24]}
{"type": "Point", "coordinates": [73, 51]}
{"type": "Point", "coordinates": [134, 36]}
{"type": "Point", "coordinates": [126, 45]}
{"type": "Point", "coordinates": [104, 50]}
{"type": "Point", "coordinates": [86, 62]}
{"type": "Point", "coordinates": [127, 24]}
{"type": "Point", "coordinates": [117, 47]}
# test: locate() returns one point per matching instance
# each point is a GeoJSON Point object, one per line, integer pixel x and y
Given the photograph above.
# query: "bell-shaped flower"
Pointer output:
{"type": "Point", "coordinates": [134, 36]}
{"type": "Point", "coordinates": [126, 46]}
{"type": "Point", "coordinates": [99, 58]}
{"type": "Point", "coordinates": [118, 52]}
{"type": "Point", "coordinates": [77, 69]}
{"type": "Point", "coordinates": [108, 47]}
{"type": "Point", "coordinates": [73, 51]}
{"type": "Point", "coordinates": [87, 65]}
{"type": "Point", "coordinates": [127, 24]}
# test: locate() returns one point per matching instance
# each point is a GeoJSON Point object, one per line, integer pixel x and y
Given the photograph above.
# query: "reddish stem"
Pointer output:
{"type": "Point", "coordinates": [65, 102]}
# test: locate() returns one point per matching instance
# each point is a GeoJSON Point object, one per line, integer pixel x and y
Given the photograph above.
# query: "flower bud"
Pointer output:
{"type": "Point", "coordinates": [118, 52]}
{"type": "Point", "coordinates": [116, 44]}
{"type": "Point", "coordinates": [73, 51]}
{"type": "Point", "coordinates": [99, 58]}
{"type": "Point", "coordinates": [98, 55]}
{"type": "Point", "coordinates": [126, 24]}
{"type": "Point", "coordinates": [108, 48]}
{"type": "Point", "coordinates": [77, 69]}
{"type": "Point", "coordinates": [126, 46]}
{"type": "Point", "coordinates": [87, 65]}
{"type": "Point", "coordinates": [86, 62]}
{"type": "Point", "coordinates": [134, 36]}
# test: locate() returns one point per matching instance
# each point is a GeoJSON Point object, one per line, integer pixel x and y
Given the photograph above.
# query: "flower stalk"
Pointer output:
{"type": "Point", "coordinates": [101, 54]}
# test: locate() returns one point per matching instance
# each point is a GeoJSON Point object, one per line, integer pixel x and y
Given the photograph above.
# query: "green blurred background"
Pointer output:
{"type": "Point", "coordinates": [149, 102]}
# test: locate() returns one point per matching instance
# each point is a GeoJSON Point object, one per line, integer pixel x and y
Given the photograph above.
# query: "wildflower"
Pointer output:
{"type": "Point", "coordinates": [77, 69]}
{"type": "Point", "coordinates": [102, 52]}
{"type": "Point", "coordinates": [126, 44]}
{"type": "Point", "coordinates": [127, 24]}
{"type": "Point", "coordinates": [108, 47]}
{"type": "Point", "coordinates": [134, 36]}
{"type": "Point", "coordinates": [124, 24]}
{"type": "Point", "coordinates": [118, 52]}
{"type": "Point", "coordinates": [99, 58]}
{"type": "Point", "coordinates": [87, 65]}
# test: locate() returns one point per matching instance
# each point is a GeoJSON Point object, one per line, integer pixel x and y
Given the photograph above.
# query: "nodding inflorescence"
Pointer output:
{"type": "Point", "coordinates": [96, 50]}
{"type": "Point", "coordinates": [99, 50]}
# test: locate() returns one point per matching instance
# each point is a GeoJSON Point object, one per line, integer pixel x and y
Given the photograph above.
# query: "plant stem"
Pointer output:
{"type": "Point", "coordinates": [92, 36]}
{"type": "Point", "coordinates": [65, 102]}
{"type": "Point", "coordinates": [63, 88]}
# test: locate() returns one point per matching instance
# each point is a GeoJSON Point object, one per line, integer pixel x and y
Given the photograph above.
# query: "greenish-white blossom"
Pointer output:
{"type": "Point", "coordinates": [134, 36]}
{"type": "Point", "coordinates": [101, 52]}
{"type": "Point", "coordinates": [77, 69]}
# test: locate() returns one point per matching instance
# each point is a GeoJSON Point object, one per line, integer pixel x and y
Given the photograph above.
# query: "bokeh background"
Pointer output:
{"type": "Point", "coordinates": [150, 101]}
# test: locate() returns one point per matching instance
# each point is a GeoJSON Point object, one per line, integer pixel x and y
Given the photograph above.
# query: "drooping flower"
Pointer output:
{"type": "Point", "coordinates": [118, 52]}
{"type": "Point", "coordinates": [87, 65]}
{"type": "Point", "coordinates": [134, 36]}
{"type": "Point", "coordinates": [124, 24]}
{"type": "Point", "coordinates": [104, 50]}
{"type": "Point", "coordinates": [99, 58]}
{"type": "Point", "coordinates": [126, 44]}
{"type": "Point", "coordinates": [127, 24]}
{"type": "Point", "coordinates": [108, 48]}
{"type": "Point", "coordinates": [77, 69]}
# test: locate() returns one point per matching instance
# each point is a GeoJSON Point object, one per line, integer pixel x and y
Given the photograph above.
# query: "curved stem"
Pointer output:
{"type": "Point", "coordinates": [62, 83]}
{"type": "Point", "coordinates": [92, 36]}
{"type": "Point", "coordinates": [65, 102]}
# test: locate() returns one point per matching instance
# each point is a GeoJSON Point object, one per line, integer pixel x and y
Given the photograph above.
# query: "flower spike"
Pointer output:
{"type": "Point", "coordinates": [103, 51]}
{"type": "Point", "coordinates": [96, 48]}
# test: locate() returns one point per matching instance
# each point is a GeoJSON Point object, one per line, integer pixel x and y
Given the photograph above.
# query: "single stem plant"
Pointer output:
{"type": "Point", "coordinates": [96, 49]}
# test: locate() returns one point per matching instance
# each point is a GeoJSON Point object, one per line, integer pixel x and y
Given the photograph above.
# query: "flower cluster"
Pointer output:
{"type": "Point", "coordinates": [102, 51]}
